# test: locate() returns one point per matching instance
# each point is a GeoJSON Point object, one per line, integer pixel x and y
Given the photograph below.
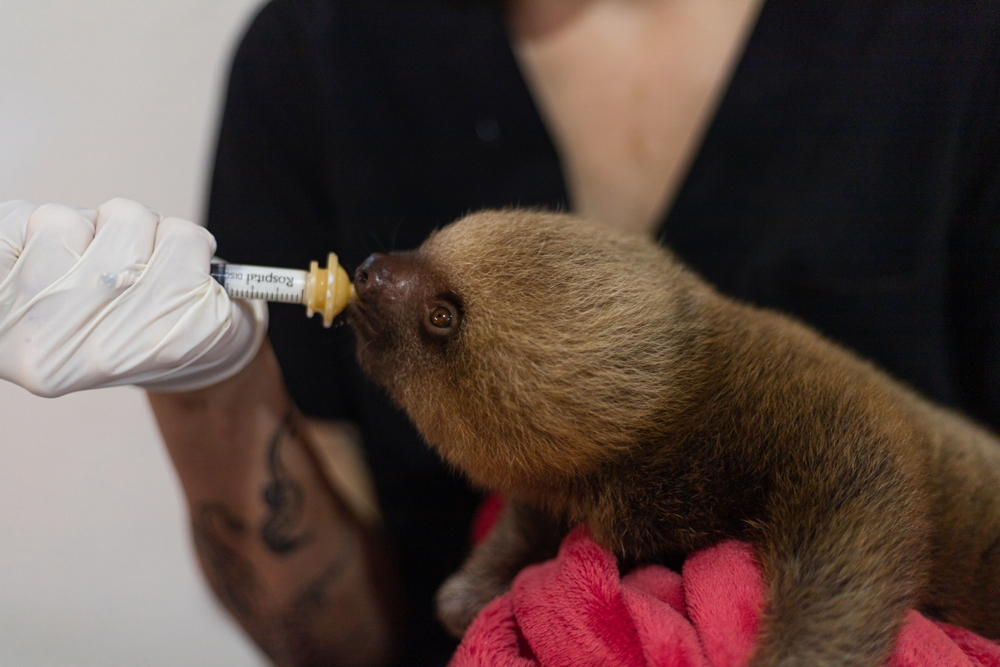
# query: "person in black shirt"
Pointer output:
{"type": "Point", "coordinates": [839, 161]}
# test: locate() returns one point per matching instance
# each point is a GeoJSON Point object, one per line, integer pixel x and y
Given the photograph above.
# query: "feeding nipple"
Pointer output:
{"type": "Point", "coordinates": [328, 290]}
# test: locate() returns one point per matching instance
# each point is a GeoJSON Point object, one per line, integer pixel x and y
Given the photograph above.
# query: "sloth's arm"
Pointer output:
{"type": "Point", "coordinates": [280, 548]}
{"type": "Point", "coordinates": [844, 557]}
{"type": "Point", "coordinates": [521, 536]}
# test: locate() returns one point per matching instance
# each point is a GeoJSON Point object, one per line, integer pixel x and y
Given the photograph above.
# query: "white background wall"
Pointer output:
{"type": "Point", "coordinates": [100, 99]}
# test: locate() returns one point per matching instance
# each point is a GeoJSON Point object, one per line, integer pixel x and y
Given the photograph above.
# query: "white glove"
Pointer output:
{"type": "Point", "coordinates": [115, 296]}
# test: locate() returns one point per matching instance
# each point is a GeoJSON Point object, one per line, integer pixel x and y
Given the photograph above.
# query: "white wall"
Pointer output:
{"type": "Point", "coordinates": [100, 99]}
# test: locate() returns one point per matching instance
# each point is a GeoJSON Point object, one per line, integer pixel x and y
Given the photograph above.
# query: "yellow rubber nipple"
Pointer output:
{"type": "Point", "coordinates": [328, 290]}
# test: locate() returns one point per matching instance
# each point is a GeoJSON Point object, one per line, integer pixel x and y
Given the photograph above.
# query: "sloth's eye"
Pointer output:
{"type": "Point", "coordinates": [441, 317]}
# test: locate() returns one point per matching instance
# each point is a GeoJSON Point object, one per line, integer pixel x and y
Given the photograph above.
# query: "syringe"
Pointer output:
{"type": "Point", "coordinates": [325, 291]}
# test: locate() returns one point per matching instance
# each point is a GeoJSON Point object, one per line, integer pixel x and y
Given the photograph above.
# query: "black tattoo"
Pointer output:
{"type": "Point", "coordinates": [313, 598]}
{"type": "Point", "coordinates": [231, 574]}
{"type": "Point", "coordinates": [296, 630]}
{"type": "Point", "coordinates": [285, 500]}
{"type": "Point", "coordinates": [305, 625]}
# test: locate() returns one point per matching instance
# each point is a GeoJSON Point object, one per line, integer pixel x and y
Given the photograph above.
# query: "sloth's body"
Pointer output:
{"type": "Point", "coordinates": [589, 377]}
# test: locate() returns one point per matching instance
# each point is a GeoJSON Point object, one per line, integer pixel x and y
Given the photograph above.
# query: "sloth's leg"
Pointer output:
{"type": "Point", "coordinates": [520, 537]}
{"type": "Point", "coordinates": [844, 558]}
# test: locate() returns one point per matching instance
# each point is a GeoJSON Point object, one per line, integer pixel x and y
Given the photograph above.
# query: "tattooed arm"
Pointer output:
{"type": "Point", "coordinates": [283, 552]}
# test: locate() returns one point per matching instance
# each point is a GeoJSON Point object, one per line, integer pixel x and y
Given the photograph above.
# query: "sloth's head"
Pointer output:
{"type": "Point", "coordinates": [526, 346]}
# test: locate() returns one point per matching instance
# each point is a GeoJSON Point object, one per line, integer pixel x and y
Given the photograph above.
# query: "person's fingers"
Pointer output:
{"type": "Point", "coordinates": [196, 317]}
{"type": "Point", "coordinates": [56, 237]}
{"type": "Point", "coordinates": [14, 217]}
{"type": "Point", "coordinates": [183, 244]}
{"type": "Point", "coordinates": [125, 232]}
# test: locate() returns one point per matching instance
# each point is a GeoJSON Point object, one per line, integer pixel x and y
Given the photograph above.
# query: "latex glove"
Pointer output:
{"type": "Point", "coordinates": [115, 296]}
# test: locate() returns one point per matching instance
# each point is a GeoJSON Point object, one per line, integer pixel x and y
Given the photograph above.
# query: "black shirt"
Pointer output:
{"type": "Point", "coordinates": [851, 176]}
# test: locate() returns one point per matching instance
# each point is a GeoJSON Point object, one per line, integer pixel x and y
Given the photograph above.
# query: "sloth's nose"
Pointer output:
{"type": "Point", "coordinates": [383, 276]}
{"type": "Point", "coordinates": [371, 276]}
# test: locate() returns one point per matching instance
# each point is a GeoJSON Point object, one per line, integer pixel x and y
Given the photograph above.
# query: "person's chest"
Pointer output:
{"type": "Point", "coordinates": [626, 90]}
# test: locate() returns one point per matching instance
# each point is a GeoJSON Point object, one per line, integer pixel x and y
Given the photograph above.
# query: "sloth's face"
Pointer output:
{"type": "Point", "coordinates": [405, 317]}
{"type": "Point", "coordinates": [522, 346]}
{"type": "Point", "coordinates": [412, 333]}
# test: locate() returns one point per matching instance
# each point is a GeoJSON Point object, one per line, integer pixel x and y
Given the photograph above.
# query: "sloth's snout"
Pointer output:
{"type": "Point", "coordinates": [386, 277]}
{"type": "Point", "coordinates": [384, 285]}
{"type": "Point", "coordinates": [373, 274]}
{"type": "Point", "coordinates": [372, 280]}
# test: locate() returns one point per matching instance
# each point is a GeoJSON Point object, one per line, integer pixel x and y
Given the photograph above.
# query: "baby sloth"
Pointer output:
{"type": "Point", "coordinates": [590, 377]}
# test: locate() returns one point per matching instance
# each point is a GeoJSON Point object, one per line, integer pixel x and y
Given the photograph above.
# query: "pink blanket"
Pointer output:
{"type": "Point", "coordinates": [576, 611]}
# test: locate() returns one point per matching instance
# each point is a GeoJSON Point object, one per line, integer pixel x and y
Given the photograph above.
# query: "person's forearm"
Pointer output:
{"type": "Point", "coordinates": [279, 548]}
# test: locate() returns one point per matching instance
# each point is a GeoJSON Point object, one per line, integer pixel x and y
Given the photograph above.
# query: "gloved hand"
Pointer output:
{"type": "Point", "coordinates": [115, 296]}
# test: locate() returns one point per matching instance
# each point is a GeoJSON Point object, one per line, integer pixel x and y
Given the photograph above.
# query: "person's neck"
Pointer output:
{"type": "Point", "coordinates": [531, 19]}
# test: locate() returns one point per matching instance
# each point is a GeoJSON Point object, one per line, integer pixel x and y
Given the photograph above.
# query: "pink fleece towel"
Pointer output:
{"type": "Point", "coordinates": [576, 611]}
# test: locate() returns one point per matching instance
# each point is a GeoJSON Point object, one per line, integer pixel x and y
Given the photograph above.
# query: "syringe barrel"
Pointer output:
{"type": "Point", "coordinates": [261, 282]}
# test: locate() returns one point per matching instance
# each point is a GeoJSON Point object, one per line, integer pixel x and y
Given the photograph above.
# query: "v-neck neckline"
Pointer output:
{"type": "Point", "coordinates": [684, 184]}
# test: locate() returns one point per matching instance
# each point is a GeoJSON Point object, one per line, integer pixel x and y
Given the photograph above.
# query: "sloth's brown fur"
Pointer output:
{"type": "Point", "coordinates": [591, 378]}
